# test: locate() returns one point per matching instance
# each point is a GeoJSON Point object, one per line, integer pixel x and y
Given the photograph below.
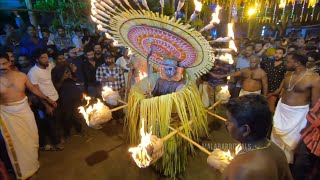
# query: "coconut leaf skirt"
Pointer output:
{"type": "Point", "coordinates": [175, 110]}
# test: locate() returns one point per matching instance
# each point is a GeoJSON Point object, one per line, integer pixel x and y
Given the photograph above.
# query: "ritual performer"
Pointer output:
{"type": "Point", "coordinates": [138, 66]}
{"type": "Point", "coordinates": [254, 78]}
{"type": "Point", "coordinates": [17, 122]}
{"type": "Point", "coordinates": [300, 90]}
{"type": "Point", "coordinates": [308, 151]}
{"type": "Point", "coordinates": [249, 120]}
{"type": "Point", "coordinates": [170, 78]}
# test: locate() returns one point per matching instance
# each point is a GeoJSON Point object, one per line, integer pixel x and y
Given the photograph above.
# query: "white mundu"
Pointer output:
{"type": "Point", "coordinates": [288, 121]}
{"type": "Point", "coordinates": [19, 129]}
{"type": "Point", "coordinates": [42, 77]}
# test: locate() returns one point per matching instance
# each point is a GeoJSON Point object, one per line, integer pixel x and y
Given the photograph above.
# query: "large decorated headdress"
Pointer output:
{"type": "Point", "coordinates": [140, 30]}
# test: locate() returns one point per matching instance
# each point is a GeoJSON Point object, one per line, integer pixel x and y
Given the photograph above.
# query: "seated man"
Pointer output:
{"type": "Point", "coordinates": [254, 78]}
{"type": "Point", "coordinates": [170, 78]}
{"type": "Point", "coordinates": [249, 121]}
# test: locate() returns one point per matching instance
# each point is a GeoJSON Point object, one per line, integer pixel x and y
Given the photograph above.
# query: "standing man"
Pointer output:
{"type": "Point", "coordinates": [111, 75]}
{"type": "Point", "coordinates": [17, 123]}
{"type": "Point", "coordinates": [248, 122]}
{"type": "Point", "coordinates": [254, 79]}
{"type": "Point", "coordinates": [40, 74]}
{"type": "Point", "coordinates": [300, 90]}
{"type": "Point", "coordinates": [275, 70]}
{"type": "Point", "coordinates": [242, 62]}
{"type": "Point", "coordinates": [89, 70]}
{"type": "Point", "coordinates": [32, 43]}
{"type": "Point", "coordinates": [98, 55]}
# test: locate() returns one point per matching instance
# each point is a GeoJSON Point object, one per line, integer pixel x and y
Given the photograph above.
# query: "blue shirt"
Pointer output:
{"type": "Point", "coordinates": [29, 46]}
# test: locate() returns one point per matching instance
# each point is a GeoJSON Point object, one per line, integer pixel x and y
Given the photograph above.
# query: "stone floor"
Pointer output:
{"type": "Point", "coordinates": [103, 155]}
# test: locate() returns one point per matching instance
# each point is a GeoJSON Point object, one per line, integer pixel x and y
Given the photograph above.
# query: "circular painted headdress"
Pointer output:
{"type": "Point", "coordinates": [140, 30]}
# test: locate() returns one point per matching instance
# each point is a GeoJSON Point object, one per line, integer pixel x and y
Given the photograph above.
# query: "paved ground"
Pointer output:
{"type": "Point", "coordinates": [103, 155]}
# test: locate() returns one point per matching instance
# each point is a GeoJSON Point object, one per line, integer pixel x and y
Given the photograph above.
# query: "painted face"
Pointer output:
{"type": "Point", "coordinates": [4, 65]}
{"type": "Point", "coordinates": [170, 67]}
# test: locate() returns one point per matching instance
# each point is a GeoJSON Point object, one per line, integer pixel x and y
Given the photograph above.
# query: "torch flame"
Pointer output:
{"type": "Point", "coordinates": [142, 75]}
{"type": "Point", "coordinates": [224, 89]}
{"type": "Point", "coordinates": [231, 34]}
{"type": "Point", "coordinates": [228, 153]}
{"type": "Point", "coordinates": [86, 111]}
{"type": "Point", "coordinates": [215, 16]}
{"type": "Point", "coordinates": [107, 89]}
{"type": "Point", "coordinates": [140, 153]}
{"type": "Point", "coordinates": [226, 58]}
{"type": "Point", "coordinates": [198, 5]}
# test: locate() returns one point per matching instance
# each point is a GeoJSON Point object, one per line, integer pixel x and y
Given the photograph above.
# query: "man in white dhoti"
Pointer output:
{"type": "Point", "coordinates": [300, 90]}
{"type": "Point", "coordinates": [17, 123]}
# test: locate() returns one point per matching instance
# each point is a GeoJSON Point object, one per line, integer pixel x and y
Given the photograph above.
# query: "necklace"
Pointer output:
{"type": "Point", "coordinates": [290, 88]}
{"type": "Point", "coordinates": [255, 148]}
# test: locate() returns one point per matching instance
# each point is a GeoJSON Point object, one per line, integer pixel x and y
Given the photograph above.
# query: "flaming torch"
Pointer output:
{"type": "Point", "coordinates": [231, 34]}
{"type": "Point", "coordinates": [221, 159]}
{"type": "Point", "coordinates": [226, 58]}
{"type": "Point", "coordinates": [197, 10]}
{"type": "Point", "coordinates": [151, 147]}
{"type": "Point", "coordinates": [223, 95]}
{"type": "Point", "coordinates": [109, 96]}
{"type": "Point", "coordinates": [95, 114]}
{"type": "Point", "coordinates": [149, 150]}
{"type": "Point", "coordinates": [215, 20]}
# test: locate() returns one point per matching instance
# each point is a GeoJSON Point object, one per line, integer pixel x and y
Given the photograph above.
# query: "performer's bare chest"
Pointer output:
{"type": "Point", "coordinates": [11, 85]}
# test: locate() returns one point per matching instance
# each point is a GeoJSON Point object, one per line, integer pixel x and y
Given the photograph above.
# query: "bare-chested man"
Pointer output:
{"type": "Point", "coordinates": [249, 120]}
{"type": "Point", "coordinates": [300, 90]}
{"type": "Point", "coordinates": [17, 122]}
{"type": "Point", "coordinates": [254, 78]}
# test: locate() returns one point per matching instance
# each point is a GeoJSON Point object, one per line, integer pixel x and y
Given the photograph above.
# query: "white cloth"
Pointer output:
{"type": "Point", "coordinates": [244, 92]}
{"type": "Point", "coordinates": [20, 132]}
{"type": "Point", "coordinates": [42, 77]}
{"type": "Point", "coordinates": [288, 121]}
